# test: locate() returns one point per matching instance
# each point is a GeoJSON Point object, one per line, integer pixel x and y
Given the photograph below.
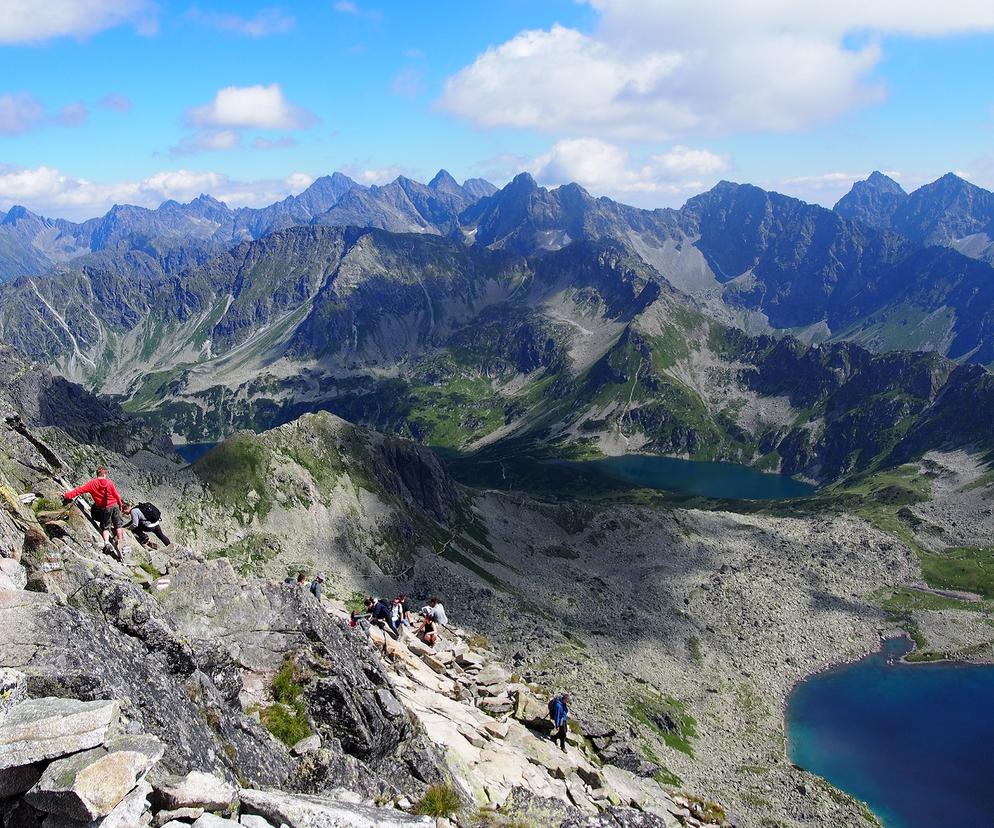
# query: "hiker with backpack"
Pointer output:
{"type": "Point", "coordinates": [559, 713]}
{"type": "Point", "coordinates": [142, 519]}
{"type": "Point", "coordinates": [106, 510]}
{"type": "Point", "coordinates": [316, 585]}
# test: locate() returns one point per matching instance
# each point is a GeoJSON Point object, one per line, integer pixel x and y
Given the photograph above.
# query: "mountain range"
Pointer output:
{"type": "Point", "coordinates": [485, 320]}
{"type": "Point", "coordinates": [172, 236]}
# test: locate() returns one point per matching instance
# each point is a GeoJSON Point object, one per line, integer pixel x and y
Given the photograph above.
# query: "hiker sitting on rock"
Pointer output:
{"type": "Point", "coordinates": [300, 580]}
{"type": "Point", "coordinates": [142, 519]}
{"type": "Point", "coordinates": [559, 713]}
{"type": "Point", "coordinates": [436, 610]}
{"type": "Point", "coordinates": [106, 511]}
{"type": "Point", "coordinates": [426, 630]}
{"type": "Point", "coordinates": [316, 585]}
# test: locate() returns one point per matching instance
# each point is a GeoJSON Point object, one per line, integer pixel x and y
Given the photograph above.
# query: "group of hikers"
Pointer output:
{"type": "Point", "coordinates": [393, 615]}
{"type": "Point", "coordinates": [315, 587]}
{"type": "Point", "coordinates": [110, 511]}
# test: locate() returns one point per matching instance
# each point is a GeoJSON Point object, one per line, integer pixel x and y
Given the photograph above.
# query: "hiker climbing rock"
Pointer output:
{"type": "Point", "coordinates": [143, 519]}
{"type": "Point", "coordinates": [559, 713]}
{"type": "Point", "coordinates": [316, 585]}
{"type": "Point", "coordinates": [106, 510]}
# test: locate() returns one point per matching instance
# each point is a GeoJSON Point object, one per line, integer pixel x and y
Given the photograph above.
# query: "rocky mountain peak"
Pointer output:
{"type": "Point", "coordinates": [445, 183]}
{"type": "Point", "coordinates": [872, 201]}
{"type": "Point", "coordinates": [17, 213]}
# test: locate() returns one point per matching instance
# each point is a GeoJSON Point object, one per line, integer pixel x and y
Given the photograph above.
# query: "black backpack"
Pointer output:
{"type": "Point", "coordinates": [152, 515]}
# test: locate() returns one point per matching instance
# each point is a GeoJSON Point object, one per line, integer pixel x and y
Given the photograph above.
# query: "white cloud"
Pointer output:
{"type": "Point", "coordinates": [654, 69]}
{"type": "Point", "coordinates": [346, 7]}
{"type": "Point", "coordinates": [265, 22]}
{"type": "Point", "coordinates": [50, 192]}
{"type": "Point", "coordinates": [407, 83]}
{"type": "Point", "coordinates": [19, 112]}
{"type": "Point", "coordinates": [607, 168]}
{"type": "Point", "coordinates": [260, 107]}
{"type": "Point", "coordinates": [31, 21]}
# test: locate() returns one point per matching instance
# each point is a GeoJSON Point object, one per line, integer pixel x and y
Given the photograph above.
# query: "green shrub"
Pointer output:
{"type": "Point", "coordinates": [286, 688]}
{"type": "Point", "coordinates": [439, 801]}
{"type": "Point", "coordinates": [286, 718]}
{"type": "Point", "coordinates": [287, 723]}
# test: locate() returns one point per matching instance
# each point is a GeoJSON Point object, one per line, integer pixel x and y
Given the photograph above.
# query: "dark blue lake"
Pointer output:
{"type": "Point", "coordinates": [694, 477]}
{"type": "Point", "coordinates": [192, 452]}
{"type": "Point", "coordinates": [913, 741]}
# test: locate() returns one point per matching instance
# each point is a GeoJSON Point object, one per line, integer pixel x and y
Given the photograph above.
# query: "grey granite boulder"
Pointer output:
{"type": "Point", "coordinates": [322, 812]}
{"type": "Point", "coordinates": [91, 784]}
{"type": "Point", "coordinates": [195, 790]}
{"type": "Point", "coordinates": [46, 728]}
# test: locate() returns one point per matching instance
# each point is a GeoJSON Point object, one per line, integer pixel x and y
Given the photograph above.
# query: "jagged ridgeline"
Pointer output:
{"type": "Point", "coordinates": [526, 321]}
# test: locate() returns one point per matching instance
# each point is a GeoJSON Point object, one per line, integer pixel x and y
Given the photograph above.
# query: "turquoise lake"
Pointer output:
{"type": "Point", "coordinates": [693, 477]}
{"type": "Point", "coordinates": [913, 741]}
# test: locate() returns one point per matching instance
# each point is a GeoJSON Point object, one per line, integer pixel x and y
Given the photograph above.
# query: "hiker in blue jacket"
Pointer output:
{"type": "Point", "coordinates": [559, 713]}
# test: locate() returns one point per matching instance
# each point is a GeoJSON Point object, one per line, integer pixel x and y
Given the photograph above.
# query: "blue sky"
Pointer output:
{"type": "Point", "coordinates": [648, 102]}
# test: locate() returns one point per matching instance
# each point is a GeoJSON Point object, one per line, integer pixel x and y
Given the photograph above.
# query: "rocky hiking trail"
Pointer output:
{"type": "Point", "coordinates": [150, 692]}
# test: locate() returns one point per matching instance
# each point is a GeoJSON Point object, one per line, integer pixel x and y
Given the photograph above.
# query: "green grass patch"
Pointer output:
{"type": "Point", "coordinates": [234, 468]}
{"type": "Point", "coordinates": [287, 718]}
{"type": "Point", "coordinates": [666, 717]}
{"type": "Point", "coordinates": [439, 801]}
{"type": "Point", "coordinates": [912, 600]}
{"type": "Point", "coordinates": [964, 568]}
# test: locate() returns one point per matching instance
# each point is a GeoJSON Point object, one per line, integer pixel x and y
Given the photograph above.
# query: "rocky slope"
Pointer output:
{"type": "Point", "coordinates": [679, 631]}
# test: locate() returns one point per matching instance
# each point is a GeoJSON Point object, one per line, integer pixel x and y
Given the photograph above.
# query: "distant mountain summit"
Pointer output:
{"type": "Point", "coordinates": [950, 212]}
{"type": "Point", "coordinates": [873, 201]}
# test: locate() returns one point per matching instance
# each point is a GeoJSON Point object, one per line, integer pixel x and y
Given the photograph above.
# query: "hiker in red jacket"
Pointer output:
{"type": "Point", "coordinates": [106, 509]}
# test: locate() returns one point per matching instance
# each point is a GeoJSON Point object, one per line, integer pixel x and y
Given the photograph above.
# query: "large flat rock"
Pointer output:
{"type": "Point", "coordinates": [195, 790]}
{"type": "Point", "coordinates": [319, 812]}
{"type": "Point", "coordinates": [47, 728]}
{"type": "Point", "coordinates": [91, 784]}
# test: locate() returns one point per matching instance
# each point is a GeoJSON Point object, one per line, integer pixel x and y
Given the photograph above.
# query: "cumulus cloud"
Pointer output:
{"type": "Point", "coordinates": [608, 168]}
{"type": "Point", "coordinates": [30, 21]}
{"type": "Point", "coordinates": [116, 102]}
{"type": "Point", "coordinates": [259, 107]}
{"type": "Point", "coordinates": [655, 69]}
{"type": "Point", "coordinates": [49, 191]}
{"type": "Point", "coordinates": [264, 23]}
